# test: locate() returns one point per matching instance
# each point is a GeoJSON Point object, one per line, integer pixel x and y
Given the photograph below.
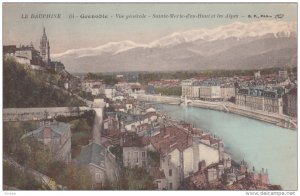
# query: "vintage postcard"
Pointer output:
{"type": "Point", "coordinates": [150, 96]}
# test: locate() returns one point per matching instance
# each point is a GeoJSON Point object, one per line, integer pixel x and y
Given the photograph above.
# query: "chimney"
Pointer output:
{"type": "Point", "coordinates": [253, 168]}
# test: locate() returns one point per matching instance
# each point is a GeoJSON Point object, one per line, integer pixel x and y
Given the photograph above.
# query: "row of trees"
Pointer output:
{"type": "Point", "coordinates": [170, 91]}
{"type": "Point", "coordinates": [146, 77]}
{"type": "Point", "coordinates": [107, 79]}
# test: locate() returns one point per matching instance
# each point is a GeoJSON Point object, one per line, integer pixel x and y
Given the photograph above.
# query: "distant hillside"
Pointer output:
{"type": "Point", "coordinates": [23, 87]}
{"type": "Point", "coordinates": [256, 45]}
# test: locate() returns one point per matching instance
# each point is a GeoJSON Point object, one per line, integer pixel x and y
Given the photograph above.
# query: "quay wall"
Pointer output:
{"type": "Point", "coordinates": [158, 99]}
{"type": "Point", "coordinates": [276, 119]}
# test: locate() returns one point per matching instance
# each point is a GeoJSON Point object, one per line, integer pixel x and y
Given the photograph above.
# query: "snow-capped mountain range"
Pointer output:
{"type": "Point", "coordinates": [188, 45]}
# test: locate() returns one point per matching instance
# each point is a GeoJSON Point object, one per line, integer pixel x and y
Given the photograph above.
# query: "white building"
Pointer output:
{"type": "Point", "coordinates": [257, 74]}
{"type": "Point", "coordinates": [181, 154]}
{"type": "Point", "coordinates": [109, 92]}
{"type": "Point", "coordinates": [187, 89]}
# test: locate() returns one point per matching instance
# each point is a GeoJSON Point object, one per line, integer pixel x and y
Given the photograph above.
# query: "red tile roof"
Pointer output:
{"type": "Point", "coordinates": [170, 138]}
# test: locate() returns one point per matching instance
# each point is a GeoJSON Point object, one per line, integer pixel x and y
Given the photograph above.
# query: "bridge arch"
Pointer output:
{"type": "Point", "coordinates": [188, 102]}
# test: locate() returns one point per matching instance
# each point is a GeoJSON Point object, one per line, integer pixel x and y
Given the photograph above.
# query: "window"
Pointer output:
{"type": "Point", "coordinates": [136, 156]}
{"type": "Point", "coordinates": [170, 172]}
{"type": "Point", "coordinates": [170, 185]}
{"type": "Point", "coordinates": [128, 156]}
{"type": "Point", "coordinates": [143, 154]}
{"type": "Point", "coordinates": [98, 177]}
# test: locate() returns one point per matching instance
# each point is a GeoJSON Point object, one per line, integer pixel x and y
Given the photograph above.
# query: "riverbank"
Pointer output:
{"type": "Point", "coordinates": [260, 144]}
{"type": "Point", "coordinates": [272, 118]}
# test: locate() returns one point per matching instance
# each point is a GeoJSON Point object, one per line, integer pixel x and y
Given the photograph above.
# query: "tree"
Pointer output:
{"type": "Point", "coordinates": [76, 178]}
{"type": "Point", "coordinates": [135, 179]}
{"type": "Point", "coordinates": [24, 87]}
{"type": "Point", "coordinates": [19, 179]}
{"type": "Point", "coordinates": [153, 158]}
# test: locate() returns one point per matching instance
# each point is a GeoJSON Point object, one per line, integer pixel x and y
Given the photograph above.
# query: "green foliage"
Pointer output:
{"type": "Point", "coordinates": [153, 158]}
{"type": "Point", "coordinates": [16, 178]}
{"type": "Point", "coordinates": [107, 79]}
{"type": "Point", "coordinates": [74, 177]}
{"type": "Point", "coordinates": [23, 87]}
{"type": "Point", "coordinates": [88, 115]}
{"type": "Point", "coordinates": [118, 152]}
{"type": "Point", "coordinates": [26, 151]}
{"type": "Point", "coordinates": [81, 135]}
{"type": "Point", "coordinates": [81, 129]}
{"type": "Point", "coordinates": [85, 95]}
{"type": "Point", "coordinates": [79, 139]}
{"type": "Point", "coordinates": [36, 155]}
{"type": "Point", "coordinates": [146, 77]}
{"type": "Point", "coordinates": [12, 132]}
{"type": "Point", "coordinates": [170, 91]}
{"type": "Point", "coordinates": [135, 179]}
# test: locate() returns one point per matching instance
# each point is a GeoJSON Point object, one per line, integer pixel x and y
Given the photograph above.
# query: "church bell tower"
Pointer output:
{"type": "Point", "coordinates": [45, 48]}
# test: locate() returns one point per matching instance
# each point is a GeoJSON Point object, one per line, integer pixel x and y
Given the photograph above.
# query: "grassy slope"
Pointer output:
{"type": "Point", "coordinates": [23, 87]}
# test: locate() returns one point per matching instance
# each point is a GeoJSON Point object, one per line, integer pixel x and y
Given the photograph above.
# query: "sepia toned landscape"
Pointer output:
{"type": "Point", "coordinates": [178, 96]}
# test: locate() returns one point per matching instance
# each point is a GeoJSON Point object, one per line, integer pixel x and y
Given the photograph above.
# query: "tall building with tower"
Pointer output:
{"type": "Point", "coordinates": [45, 48]}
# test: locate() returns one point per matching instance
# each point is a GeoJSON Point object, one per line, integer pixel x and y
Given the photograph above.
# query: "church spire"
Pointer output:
{"type": "Point", "coordinates": [45, 48]}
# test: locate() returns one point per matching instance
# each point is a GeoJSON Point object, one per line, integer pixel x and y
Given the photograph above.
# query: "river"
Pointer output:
{"type": "Point", "coordinates": [261, 144]}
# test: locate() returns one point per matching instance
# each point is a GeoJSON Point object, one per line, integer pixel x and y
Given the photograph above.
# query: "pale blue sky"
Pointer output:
{"type": "Point", "coordinates": [68, 33]}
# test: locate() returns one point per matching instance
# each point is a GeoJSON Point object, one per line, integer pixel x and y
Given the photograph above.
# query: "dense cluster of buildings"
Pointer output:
{"type": "Point", "coordinates": [260, 99]}
{"type": "Point", "coordinates": [188, 157]}
{"type": "Point", "coordinates": [163, 83]}
{"type": "Point", "coordinates": [272, 93]}
{"type": "Point", "coordinates": [208, 90]}
{"type": "Point", "coordinates": [97, 88]}
{"type": "Point", "coordinates": [185, 153]}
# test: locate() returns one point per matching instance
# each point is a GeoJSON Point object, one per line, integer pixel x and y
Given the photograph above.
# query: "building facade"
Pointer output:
{"type": "Point", "coordinates": [100, 162]}
{"type": "Point", "coordinates": [209, 90]}
{"type": "Point", "coordinates": [227, 92]}
{"type": "Point", "coordinates": [181, 154]}
{"type": "Point", "coordinates": [187, 87]}
{"type": "Point", "coordinates": [210, 93]}
{"type": "Point", "coordinates": [135, 156]}
{"type": "Point", "coordinates": [290, 103]}
{"type": "Point", "coordinates": [259, 99]}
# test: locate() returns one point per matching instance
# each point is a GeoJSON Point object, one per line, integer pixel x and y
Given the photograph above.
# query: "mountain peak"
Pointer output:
{"type": "Point", "coordinates": [236, 30]}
